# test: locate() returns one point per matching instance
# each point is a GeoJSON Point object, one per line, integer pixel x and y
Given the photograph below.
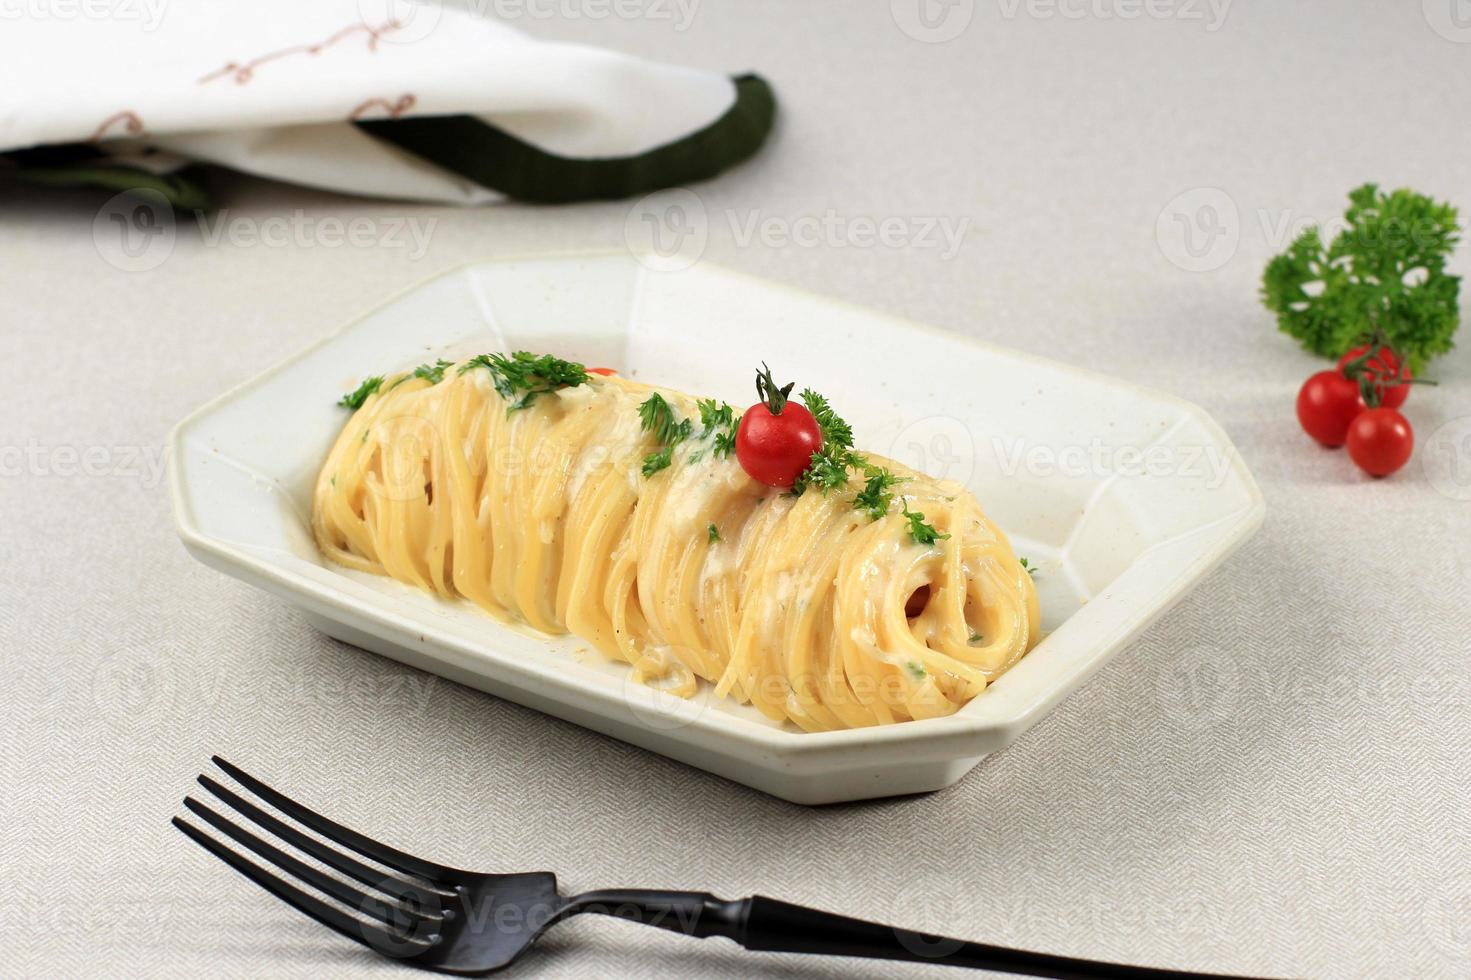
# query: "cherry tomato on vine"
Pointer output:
{"type": "Point", "coordinates": [1326, 404]}
{"type": "Point", "coordinates": [777, 437]}
{"type": "Point", "coordinates": [1385, 365]}
{"type": "Point", "coordinates": [1380, 441]}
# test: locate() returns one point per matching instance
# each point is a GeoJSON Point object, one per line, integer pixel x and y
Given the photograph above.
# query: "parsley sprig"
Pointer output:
{"type": "Point", "coordinates": [656, 416]}
{"type": "Point", "coordinates": [922, 532]}
{"type": "Point", "coordinates": [835, 430]}
{"type": "Point", "coordinates": [828, 468]}
{"type": "Point", "coordinates": [1385, 270]}
{"type": "Point", "coordinates": [520, 377]}
{"type": "Point", "coordinates": [355, 399]}
{"type": "Point", "coordinates": [718, 422]}
{"type": "Point", "coordinates": [831, 468]}
{"type": "Point", "coordinates": [877, 494]}
{"type": "Point", "coordinates": [433, 373]}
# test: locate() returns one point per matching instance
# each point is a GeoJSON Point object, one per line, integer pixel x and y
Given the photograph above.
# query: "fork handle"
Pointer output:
{"type": "Point", "coordinates": [698, 914]}
{"type": "Point", "coordinates": [777, 926]}
{"type": "Point", "coordinates": [768, 925]}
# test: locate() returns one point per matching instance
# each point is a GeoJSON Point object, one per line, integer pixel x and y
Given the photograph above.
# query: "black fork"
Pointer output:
{"type": "Point", "coordinates": [466, 923]}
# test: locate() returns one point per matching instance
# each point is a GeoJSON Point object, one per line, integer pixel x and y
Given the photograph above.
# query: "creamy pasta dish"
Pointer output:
{"type": "Point", "coordinates": [758, 552]}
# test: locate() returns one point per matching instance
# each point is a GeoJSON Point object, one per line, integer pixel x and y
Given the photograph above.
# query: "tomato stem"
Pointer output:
{"type": "Point", "coordinates": [1374, 342]}
{"type": "Point", "coordinates": [1374, 381]}
{"type": "Point", "coordinates": [771, 395]}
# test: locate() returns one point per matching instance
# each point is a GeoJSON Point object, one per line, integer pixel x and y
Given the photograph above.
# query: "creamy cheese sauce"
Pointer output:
{"type": "Point", "coordinates": [544, 516]}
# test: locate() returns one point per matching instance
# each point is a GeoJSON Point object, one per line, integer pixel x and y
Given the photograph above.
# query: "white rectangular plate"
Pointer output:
{"type": "Point", "coordinates": [1124, 497]}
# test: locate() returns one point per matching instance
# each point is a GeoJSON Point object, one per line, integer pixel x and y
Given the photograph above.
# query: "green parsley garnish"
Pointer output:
{"type": "Point", "coordinates": [657, 417]}
{"type": "Point", "coordinates": [713, 532]}
{"type": "Point", "coordinates": [433, 373]}
{"type": "Point", "coordinates": [876, 495]}
{"type": "Point", "coordinates": [921, 532]}
{"type": "Point", "coordinates": [659, 459]}
{"type": "Point", "coordinates": [917, 669]}
{"type": "Point", "coordinates": [829, 470]}
{"type": "Point", "coordinates": [718, 420]}
{"type": "Point", "coordinates": [1028, 567]}
{"type": "Point", "coordinates": [835, 431]}
{"type": "Point", "coordinates": [527, 375]}
{"type": "Point", "coordinates": [714, 414]}
{"type": "Point", "coordinates": [1385, 271]}
{"type": "Point", "coordinates": [976, 640]}
{"type": "Point", "coordinates": [355, 399]}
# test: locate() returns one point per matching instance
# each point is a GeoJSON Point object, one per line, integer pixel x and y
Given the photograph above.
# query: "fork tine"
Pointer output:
{"type": "Point", "coordinates": [381, 853]}
{"type": "Point", "coordinates": [374, 937]}
{"type": "Point", "coordinates": [352, 867]}
{"type": "Point", "coordinates": [377, 907]}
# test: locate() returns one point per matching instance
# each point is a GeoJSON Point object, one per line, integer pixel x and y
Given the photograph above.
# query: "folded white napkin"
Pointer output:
{"type": "Point", "coordinates": [392, 99]}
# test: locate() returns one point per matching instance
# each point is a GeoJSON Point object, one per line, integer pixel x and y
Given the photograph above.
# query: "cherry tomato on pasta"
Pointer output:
{"type": "Point", "coordinates": [601, 370]}
{"type": "Point", "coordinates": [1380, 441]}
{"type": "Point", "coordinates": [1326, 404]}
{"type": "Point", "coordinates": [777, 437]}
{"type": "Point", "coordinates": [1385, 365]}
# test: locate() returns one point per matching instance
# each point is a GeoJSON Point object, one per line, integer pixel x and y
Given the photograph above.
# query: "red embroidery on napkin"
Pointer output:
{"type": "Point", "coordinates": [394, 109]}
{"type": "Point", "coordinates": [132, 125]}
{"type": "Point", "coordinates": [243, 72]}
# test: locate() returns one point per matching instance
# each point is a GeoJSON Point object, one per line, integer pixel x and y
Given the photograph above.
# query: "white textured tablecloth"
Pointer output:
{"type": "Point", "coordinates": [1273, 779]}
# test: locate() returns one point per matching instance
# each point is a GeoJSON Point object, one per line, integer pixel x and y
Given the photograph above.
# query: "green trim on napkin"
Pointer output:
{"type": "Point", "coordinates": [496, 160]}
{"type": "Point", "coordinates": [183, 188]}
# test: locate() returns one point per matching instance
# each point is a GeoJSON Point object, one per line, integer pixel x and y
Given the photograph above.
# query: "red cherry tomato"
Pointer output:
{"type": "Point", "coordinates": [1380, 441]}
{"type": "Point", "coordinates": [600, 370]}
{"type": "Point", "coordinates": [776, 437]}
{"type": "Point", "coordinates": [1326, 404]}
{"type": "Point", "coordinates": [775, 448]}
{"type": "Point", "coordinates": [1383, 365]}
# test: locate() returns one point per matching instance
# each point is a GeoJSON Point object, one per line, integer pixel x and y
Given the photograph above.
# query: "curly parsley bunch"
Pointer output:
{"type": "Point", "coordinates": [1385, 271]}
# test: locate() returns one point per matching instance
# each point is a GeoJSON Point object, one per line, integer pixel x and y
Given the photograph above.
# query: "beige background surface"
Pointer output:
{"type": "Point", "coordinates": [1272, 780]}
